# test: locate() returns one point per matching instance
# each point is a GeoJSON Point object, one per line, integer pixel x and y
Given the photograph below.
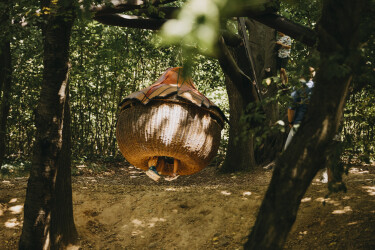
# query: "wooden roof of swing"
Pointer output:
{"type": "Point", "coordinates": [172, 86]}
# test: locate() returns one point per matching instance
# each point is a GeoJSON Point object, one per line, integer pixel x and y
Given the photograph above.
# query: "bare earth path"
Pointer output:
{"type": "Point", "coordinates": [121, 208]}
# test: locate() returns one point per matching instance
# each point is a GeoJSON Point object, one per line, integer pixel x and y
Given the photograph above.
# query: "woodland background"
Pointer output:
{"type": "Point", "coordinates": [63, 75]}
{"type": "Point", "coordinates": [108, 63]}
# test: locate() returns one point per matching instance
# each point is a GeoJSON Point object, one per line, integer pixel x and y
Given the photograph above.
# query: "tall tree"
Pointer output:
{"type": "Point", "coordinates": [255, 56]}
{"type": "Point", "coordinates": [48, 216]}
{"type": "Point", "coordinates": [5, 73]}
{"type": "Point", "coordinates": [338, 33]}
{"type": "Point", "coordinates": [262, 43]}
{"type": "Point", "coordinates": [239, 79]}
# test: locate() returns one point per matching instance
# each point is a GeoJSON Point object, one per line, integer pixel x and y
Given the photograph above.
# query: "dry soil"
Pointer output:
{"type": "Point", "coordinates": [121, 208]}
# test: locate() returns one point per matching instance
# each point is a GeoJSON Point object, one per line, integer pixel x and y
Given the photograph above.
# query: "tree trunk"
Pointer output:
{"type": "Point", "coordinates": [240, 149]}
{"type": "Point", "coordinates": [262, 41]}
{"type": "Point", "coordinates": [298, 165]}
{"type": "Point", "coordinates": [5, 76]}
{"type": "Point", "coordinates": [62, 222]}
{"type": "Point", "coordinates": [48, 216]}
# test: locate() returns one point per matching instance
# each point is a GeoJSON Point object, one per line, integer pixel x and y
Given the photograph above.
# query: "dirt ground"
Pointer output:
{"type": "Point", "coordinates": [121, 208]}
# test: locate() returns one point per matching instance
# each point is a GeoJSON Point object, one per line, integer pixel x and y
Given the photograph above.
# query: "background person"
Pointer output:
{"type": "Point", "coordinates": [283, 54]}
{"type": "Point", "coordinates": [299, 105]}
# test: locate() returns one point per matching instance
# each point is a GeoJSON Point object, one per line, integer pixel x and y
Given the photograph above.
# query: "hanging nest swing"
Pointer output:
{"type": "Point", "coordinates": [170, 120]}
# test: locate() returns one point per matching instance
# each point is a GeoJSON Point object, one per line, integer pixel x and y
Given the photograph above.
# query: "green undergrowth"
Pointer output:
{"type": "Point", "coordinates": [15, 168]}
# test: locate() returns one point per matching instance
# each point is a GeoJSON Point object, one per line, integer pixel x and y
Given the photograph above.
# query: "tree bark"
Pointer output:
{"type": "Point", "coordinates": [48, 216]}
{"type": "Point", "coordinates": [262, 41]}
{"type": "Point", "coordinates": [297, 31]}
{"type": "Point", "coordinates": [5, 76]}
{"type": "Point", "coordinates": [241, 92]}
{"type": "Point", "coordinates": [298, 165]}
{"type": "Point", "coordinates": [118, 6]}
{"type": "Point", "coordinates": [240, 150]}
{"type": "Point", "coordinates": [263, 13]}
{"type": "Point", "coordinates": [62, 222]}
{"type": "Point", "coordinates": [130, 21]}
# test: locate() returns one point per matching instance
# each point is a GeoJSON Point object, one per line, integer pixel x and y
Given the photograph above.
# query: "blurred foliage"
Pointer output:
{"type": "Point", "coordinates": [197, 26]}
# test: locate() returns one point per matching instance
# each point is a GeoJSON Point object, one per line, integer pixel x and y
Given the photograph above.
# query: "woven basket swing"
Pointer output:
{"type": "Point", "coordinates": [170, 120]}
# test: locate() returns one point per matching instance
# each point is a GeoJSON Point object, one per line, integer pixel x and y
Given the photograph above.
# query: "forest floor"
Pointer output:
{"type": "Point", "coordinates": [121, 208]}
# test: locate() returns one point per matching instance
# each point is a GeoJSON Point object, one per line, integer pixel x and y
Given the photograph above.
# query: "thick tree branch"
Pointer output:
{"type": "Point", "coordinates": [237, 76]}
{"type": "Point", "coordinates": [297, 31]}
{"type": "Point", "coordinates": [288, 27]}
{"type": "Point", "coordinates": [231, 39]}
{"type": "Point", "coordinates": [119, 6]}
{"type": "Point", "coordinates": [162, 12]}
{"type": "Point", "coordinates": [130, 21]}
